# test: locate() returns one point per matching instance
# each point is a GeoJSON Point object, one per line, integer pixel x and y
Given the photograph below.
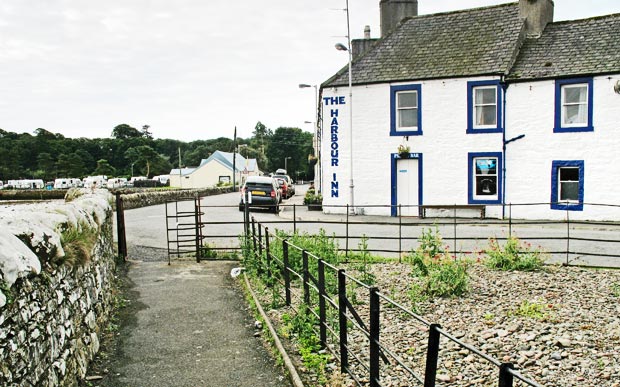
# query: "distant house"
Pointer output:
{"type": "Point", "coordinates": [490, 106]}
{"type": "Point", "coordinates": [217, 169]}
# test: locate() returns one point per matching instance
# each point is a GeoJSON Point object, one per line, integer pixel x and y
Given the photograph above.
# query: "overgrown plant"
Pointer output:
{"type": "Point", "coordinates": [78, 243]}
{"type": "Point", "coordinates": [513, 255]}
{"type": "Point", "coordinates": [301, 328]}
{"type": "Point", "coordinates": [361, 262]}
{"type": "Point", "coordinates": [440, 274]}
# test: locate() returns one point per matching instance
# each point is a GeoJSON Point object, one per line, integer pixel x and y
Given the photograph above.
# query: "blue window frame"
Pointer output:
{"type": "Point", "coordinates": [406, 110]}
{"type": "Point", "coordinates": [567, 185]}
{"type": "Point", "coordinates": [573, 105]}
{"type": "Point", "coordinates": [485, 177]}
{"type": "Point", "coordinates": [484, 108]}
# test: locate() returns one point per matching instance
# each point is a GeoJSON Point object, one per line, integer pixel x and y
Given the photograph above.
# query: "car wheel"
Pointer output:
{"type": "Point", "coordinates": [276, 209]}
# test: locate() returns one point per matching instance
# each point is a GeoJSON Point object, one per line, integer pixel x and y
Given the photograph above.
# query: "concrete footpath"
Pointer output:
{"type": "Point", "coordinates": [186, 325]}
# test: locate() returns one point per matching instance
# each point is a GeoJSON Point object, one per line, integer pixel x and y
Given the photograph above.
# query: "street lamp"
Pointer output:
{"type": "Point", "coordinates": [342, 47]}
{"type": "Point", "coordinates": [285, 163]}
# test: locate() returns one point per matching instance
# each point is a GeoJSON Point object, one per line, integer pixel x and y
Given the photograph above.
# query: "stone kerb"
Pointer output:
{"type": "Point", "coordinates": [56, 276]}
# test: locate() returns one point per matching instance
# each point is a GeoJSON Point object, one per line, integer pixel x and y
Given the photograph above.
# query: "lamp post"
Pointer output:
{"type": "Point", "coordinates": [342, 47]}
{"type": "Point", "coordinates": [317, 133]}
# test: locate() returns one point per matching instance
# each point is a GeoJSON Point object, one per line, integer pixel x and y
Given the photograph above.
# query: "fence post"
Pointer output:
{"type": "Point", "coordinates": [120, 227]}
{"type": "Point", "coordinates": [260, 241]}
{"type": "Point", "coordinates": [347, 235]}
{"type": "Point", "coordinates": [306, 277]}
{"type": "Point", "coordinates": [294, 218]}
{"type": "Point", "coordinates": [322, 311]}
{"type": "Point", "coordinates": [454, 246]}
{"type": "Point", "coordinates": [375, 309]}
{"type": "Point", "coordinates": [286, 273]}
{"type": "Point", "coordinates": [342, 319]}
{"type": "Point", "coordinates": [567, 236]}
{"type": "Point", "coordinates": [246, 213]}
{"type": "Point", "coordinates": [267, 255]}
{"type": "Point", "coordinates": [505, 377]}
{"type": "Point", "coordinates": [254, 234]}
{"type": "Point", "coordinates": [432, 355]}
{"type": "Point", "coordinates": [509, 220]}
{"type": "Point", "coordinates": [400, 233]}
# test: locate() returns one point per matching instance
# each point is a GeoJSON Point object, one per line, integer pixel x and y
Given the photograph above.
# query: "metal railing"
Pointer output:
{"type": "Point", "coordinates": [566, 241]}
{"type": "Point", "coordinates": [308, 285]}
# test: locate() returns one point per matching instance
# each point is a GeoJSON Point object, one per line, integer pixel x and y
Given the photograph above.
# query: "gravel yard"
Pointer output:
{"type": "Point", "coordinates": [559, 326]}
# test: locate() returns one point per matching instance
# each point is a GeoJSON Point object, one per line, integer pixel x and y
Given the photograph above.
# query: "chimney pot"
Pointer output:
{"type": "Point", "coordinates": [394, 11]}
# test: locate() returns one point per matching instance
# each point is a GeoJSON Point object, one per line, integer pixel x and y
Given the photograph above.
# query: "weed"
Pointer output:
{"type": "Point", "coordinates": [363, 259]}
{"type": "Point", "coordinates": [8, 293]}
{"type": "Point", "coordinates": [514, 255]}
{"type": "Point", "coordinates": [615, 289]}
{"type": "Point", "coordinates": [537, 310]}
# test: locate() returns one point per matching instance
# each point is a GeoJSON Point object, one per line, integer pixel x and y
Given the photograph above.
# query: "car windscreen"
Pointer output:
{"type": "Point", "coordinates": [252, 185]}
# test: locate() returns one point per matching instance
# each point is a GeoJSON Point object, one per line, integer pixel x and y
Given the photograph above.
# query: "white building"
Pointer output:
{"type": "Point", "coordinates": [499, 107]}
{"type": "Point", "coordinates": [217, 169]}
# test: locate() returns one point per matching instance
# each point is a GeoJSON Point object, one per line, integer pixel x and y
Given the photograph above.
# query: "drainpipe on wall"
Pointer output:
{"type": "Point", "coordinates": [505, 142]}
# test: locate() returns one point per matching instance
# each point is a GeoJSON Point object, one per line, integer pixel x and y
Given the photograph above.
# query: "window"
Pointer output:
{"type": "Point", "coordinates": [485, 178]}
{"type": "Point", "coordinates": [567, 185]}
{"type": "Point", "coordinates": [484, 114]}
{"type": "Point", "coordinates": [406, 110]}
{"type": "Point", "coordinates": [573, 105]}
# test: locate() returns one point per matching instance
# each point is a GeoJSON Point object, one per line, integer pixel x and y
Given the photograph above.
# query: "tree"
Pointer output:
{"type": "Point", "coordinates": [104, 168]}
{"type": "Point", "coordinates": [146, 133]}
{"type": "Point", "coordinates": [293, 143]}
{"type": "Point", "coordinates": [124, 131]}
{"type": "Point", "coordinates": [144, 157]}
{"type": "Point", "coordinates": [45, 161]}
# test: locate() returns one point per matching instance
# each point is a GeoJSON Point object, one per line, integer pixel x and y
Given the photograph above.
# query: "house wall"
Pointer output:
{"type": "Point", "coordinates": [531, 110]}
{"type": "Point", "coordinates": [444, 146]}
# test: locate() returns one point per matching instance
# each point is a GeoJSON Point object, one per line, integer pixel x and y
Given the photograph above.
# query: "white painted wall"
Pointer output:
{"type": "Point", "coordinates": [445, 145]}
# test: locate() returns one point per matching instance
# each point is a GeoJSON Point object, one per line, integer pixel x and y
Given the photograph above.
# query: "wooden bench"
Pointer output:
{"type": "Point", "coordinates": [479, 207]}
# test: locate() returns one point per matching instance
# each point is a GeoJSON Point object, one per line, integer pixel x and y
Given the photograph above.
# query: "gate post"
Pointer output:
{"type": "Point", "coordinates": [197, 229]}
{"type": "Point", "coordinates": [120, 227]}
{"type": "Point", "coordinates": [254, 235]}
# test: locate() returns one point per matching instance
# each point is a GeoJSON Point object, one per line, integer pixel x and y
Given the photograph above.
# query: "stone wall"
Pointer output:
{"type": "Point", "coordinates": [56, 288]}
{"type": "Point", "coordinates": [153, 197]}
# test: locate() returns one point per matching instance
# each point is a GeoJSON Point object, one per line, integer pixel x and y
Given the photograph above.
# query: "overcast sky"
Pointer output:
{"type": "Point", "coordinates": [191, 69]}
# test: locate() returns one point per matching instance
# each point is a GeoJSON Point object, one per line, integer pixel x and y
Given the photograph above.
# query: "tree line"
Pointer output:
{"type": "Point", "coordinates": [130, 151]}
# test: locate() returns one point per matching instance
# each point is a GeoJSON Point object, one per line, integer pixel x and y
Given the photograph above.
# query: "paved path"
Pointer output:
{"type": "Point", "coordinates": [187, 325]}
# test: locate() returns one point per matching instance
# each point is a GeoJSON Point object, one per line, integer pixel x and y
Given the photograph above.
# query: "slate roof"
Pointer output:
{"type": "Point", "coordinates": [571, 48]}
{"type": "Point", "coordinates": [226, 158]}
{"type": "Point", "coordinates": [478, 41]}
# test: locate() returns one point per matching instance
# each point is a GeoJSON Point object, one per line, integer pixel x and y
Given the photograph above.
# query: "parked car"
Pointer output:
{"type": "Point", "coordinates": [289, 183]}
{"type": "Point", "coordinates": [283, 188]}
{"type": "Point", "coordinates": [262, 192]}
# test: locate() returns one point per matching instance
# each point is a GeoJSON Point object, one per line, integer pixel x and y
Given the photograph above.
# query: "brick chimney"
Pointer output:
{"type": "Point", "coordinates": [393, 11]}
{"type": "Point", "coordinates": [537, 14]}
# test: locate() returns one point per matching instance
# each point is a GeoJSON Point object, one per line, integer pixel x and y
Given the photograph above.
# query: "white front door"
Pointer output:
{"type": "Point", "coordinates": [407, 184]}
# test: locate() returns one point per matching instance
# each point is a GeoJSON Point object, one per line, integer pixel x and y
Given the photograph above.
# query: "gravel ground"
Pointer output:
{"type": "Point", "coordinates": [574, 340]}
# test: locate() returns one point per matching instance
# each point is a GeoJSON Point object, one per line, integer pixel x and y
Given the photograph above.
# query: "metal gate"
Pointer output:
{"type": "Point", "coordinates": [184, 228]}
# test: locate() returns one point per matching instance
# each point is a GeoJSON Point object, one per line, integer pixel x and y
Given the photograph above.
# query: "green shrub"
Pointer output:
{"type": "Point", "coordinates": [312, 197]}
{"type": "Point", "coordinates": [514, 255]}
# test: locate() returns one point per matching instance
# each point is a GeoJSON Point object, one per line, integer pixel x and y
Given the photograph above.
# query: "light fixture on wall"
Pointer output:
{"type": "Point", "coordinates": [617, 87]}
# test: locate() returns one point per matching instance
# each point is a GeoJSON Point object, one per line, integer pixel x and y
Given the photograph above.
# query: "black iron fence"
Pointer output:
{"type": "Point", "coordinates": [567, 241]}
{"type": "Point", "coordinates": [351, 327]}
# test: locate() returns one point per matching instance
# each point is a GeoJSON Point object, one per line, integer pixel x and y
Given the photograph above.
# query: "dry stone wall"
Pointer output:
{"type": "Point", "coordinates": [56, 287]}
{"type": "Point", "coordinates": [153, 197]}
